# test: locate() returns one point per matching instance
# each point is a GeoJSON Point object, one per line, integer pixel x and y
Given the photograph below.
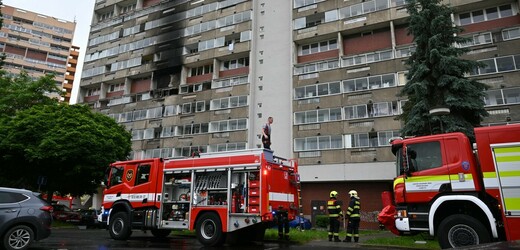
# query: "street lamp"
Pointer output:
{"type": "Point", "coordinates": [440, 111]}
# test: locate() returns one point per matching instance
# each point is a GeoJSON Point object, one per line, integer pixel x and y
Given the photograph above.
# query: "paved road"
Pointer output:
{"type": "Point", "coordinates": [72, 238]}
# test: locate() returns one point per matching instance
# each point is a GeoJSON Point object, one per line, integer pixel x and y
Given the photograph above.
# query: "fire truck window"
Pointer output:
{"type": "Point", "coordinates": [423, 156]}
{"type": "Point", "coordinates": [143, 174]}
{"type": "Point", "coordinates": [116, 176]}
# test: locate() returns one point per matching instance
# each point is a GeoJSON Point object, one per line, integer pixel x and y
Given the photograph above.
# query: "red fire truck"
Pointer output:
{"type": "Point", "coordinates": [463, 193]}
{"type": "Point", "coordinates": [230, 194]}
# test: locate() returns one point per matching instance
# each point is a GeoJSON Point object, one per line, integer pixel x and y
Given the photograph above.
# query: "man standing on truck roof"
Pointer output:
{"type": "Point", "coordinates": [266, 133]}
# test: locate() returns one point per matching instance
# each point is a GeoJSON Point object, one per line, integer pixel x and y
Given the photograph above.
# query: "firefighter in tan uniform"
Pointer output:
{"type": "Point", "coordinates": [353, 217]}
{"type": "Point", "coordinates": [335, 215]}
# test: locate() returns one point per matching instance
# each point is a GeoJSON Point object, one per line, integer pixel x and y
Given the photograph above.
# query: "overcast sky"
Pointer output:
{"type": "Point", "coordinates": [69, 10]}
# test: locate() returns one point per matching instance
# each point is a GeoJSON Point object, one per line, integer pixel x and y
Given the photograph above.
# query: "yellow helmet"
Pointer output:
{"type": "Point", "coordinates": [333, 194]}
{"type": "Point", "coordinates": [352, 193]}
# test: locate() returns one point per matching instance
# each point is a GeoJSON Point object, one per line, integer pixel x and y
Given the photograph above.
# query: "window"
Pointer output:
{"type": "Point", "coordinates": [169, 110]}
{"type": "Point", "coordinates": [485, 14]}
{"type": "Point", "coordinates": [202, 70]}
{"type": "Point", "coordinates": [314, 116]}
{"type": "Point", "coordinates": [9, 197]}
{"type": "Point", "coordinates": [363, 8]}
{"type": "Point", "coordinates": [301, 3]}
{"type": "Point", "coordinates": [384, 137]}
{"type": "Point", "coordinates": [367, 58]}
{"type": "Point", "coordinates": [235, 63]}
{"type": "Point", "coordinates": [423, 156]}
{"type": "Point", "coordinates": [404, 51]}
{"type": "Point", "coordinates": [116, 87]}
{"type": "Point", "coordinates": [93, 92]}
{"type": "Point", "coordinates": [355, 112]}
{"type": "Point", "coordinates": [499, 64]}
{"type": "Point", "coordinates": [228, 125]}
{"type": "Point", "coordinates": [318, 143]}
{"type": "Point", "coordinates": [318, 90]}
{"type": "Point", "coordinates": [478, 39]}
{"type": "Point", "coordinates": [116, 175]}
{"type": "Point", "coordinates": [316, 67]}
{"type": "Point", "coordinates": [154, 113]}
{"type": "Point", "coordinates": [228, 102]}
{"type": "Point", "coordinates": [128, 8]}
{"type": "Point", "coordinates": [512, 33]}
{"type": "Point", "coordinates": [143, 174]}
{"type": "Point", "coordinates": [167, 131]}
{"type": "Point", "coordinates": [229, 82]}
{"type": "Point", "coordinates": [317, 47]}
{"type": "Point", "coordinates": [502, 96]}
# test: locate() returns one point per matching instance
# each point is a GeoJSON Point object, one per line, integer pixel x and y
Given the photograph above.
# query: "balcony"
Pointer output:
{"type": "Point", "coordinates": [373, 20]}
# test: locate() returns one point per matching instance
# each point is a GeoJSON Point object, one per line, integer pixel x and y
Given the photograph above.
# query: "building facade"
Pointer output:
{"type": "Point", "coordinates": [187, 76]}
{"type": "Point", "coordinates": [348, 72]}
{"type": "Point", "coordinates": [38, 44]}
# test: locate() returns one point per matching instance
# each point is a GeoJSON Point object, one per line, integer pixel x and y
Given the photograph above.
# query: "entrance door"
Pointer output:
{"type": "Point", "coordinates": [317, 208]}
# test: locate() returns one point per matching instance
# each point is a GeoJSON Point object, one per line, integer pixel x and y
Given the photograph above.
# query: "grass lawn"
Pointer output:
{"type": "Point", "coordinates": [415, 242]}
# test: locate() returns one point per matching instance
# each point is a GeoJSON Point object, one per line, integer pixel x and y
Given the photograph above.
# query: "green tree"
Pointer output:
{"type": "Point", "coordinates": [21, 92]}
{"type": "Point", "coordinates": [68, 144]}
{"type": "Point", "coordinates": [436, 76]}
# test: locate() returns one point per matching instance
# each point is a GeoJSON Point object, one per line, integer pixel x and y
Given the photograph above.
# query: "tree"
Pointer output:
{"type": "Point", "coordinates": [68, 144]}
{"type": "Point", "coordinates": [436, 76]}
{"type": "Point", "coordinates": [21, 92]}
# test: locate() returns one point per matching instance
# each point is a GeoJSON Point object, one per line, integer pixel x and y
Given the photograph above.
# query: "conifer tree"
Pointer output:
{"type": "Point", "coordinates": [436, 76]}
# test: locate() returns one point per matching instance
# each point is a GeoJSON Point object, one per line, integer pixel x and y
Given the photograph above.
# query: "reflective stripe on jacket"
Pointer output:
{"type": "Point", "coordinates": [353, 208]}
{"type": "Point", "coordinates": [334, 208]}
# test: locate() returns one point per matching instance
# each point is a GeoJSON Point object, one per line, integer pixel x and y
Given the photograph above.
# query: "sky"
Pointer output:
{"type": "Point", "coordinates": [69, 10]}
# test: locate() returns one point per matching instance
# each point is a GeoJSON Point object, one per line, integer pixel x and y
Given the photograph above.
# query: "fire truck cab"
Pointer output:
{"type": "Point", "coordinates": [231, 195]}
{"type": "Point", "coordinates": [464, 193]}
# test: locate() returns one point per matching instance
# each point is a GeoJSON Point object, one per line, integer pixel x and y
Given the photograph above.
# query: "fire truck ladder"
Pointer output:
{"type": "Point", "coordinates": [298, 185]}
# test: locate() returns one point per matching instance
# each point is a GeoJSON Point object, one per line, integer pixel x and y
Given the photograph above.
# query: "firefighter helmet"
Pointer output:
{"type": "Point", "coordinates": [352, 193]}
{"type": "Point", "coordinates": [333, 194]}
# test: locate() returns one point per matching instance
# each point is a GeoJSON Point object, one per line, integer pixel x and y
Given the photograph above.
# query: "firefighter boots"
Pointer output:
{"type": "Point", "coordinates": [348, 239]}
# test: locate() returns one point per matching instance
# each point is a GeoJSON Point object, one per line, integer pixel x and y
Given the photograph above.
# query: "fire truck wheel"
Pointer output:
{"type": "Point", "coordinates": [161, 233]}
{"type": "Point", "coordinates": [119, 226]}
{"type": "Point", "coordinates": [209, 230]}
{"type": "Point", "coordinates": [460, 230]}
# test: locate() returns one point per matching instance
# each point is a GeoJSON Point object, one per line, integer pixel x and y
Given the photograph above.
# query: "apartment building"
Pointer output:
{"type": "Point", "coordinates": [72, 64]}
{"type": "Point", "coordinates": [38, 44]}
{"type": "Point", "coordinates": [187, 76]}
{"type": "Point", "coordinates": [179, 74]}
{"type": "Point", "coordinates": [348, 71]}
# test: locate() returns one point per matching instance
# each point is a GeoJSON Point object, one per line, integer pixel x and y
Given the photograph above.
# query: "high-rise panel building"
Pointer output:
{"type": "Point", "coordinates": [348, 72]}
{"type": "Point", "coordinates": [38, 44]}
{"type": "Point", "coordinates": [186, 76]}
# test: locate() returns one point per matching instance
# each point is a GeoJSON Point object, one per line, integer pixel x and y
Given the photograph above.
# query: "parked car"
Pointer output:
{"type": "Point", "coordinates": [65, 214]}
{"type": "Point", "coordinates": [24, 218]}
{"type": "Point", "coordinates": [89, 218]}
{"type": "Point", "coordinates": [300, 222]}
{"type": "Point", "coordinates": [297, 223]}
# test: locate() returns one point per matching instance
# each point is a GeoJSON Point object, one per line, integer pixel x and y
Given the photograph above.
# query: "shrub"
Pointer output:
{"type": "Point", "coordinates": [322, 221]}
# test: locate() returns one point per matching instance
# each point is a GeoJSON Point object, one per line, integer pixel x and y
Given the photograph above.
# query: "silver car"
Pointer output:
{"type": "Point", "coordinates": [24, 218]}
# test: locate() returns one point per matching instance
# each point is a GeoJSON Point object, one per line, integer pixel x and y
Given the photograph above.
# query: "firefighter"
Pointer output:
{"type": "Point", "coordinates": [353, 217]}
{"type": "Point", "coordinates": [335, 215]}
{"type": "Point", "coordinates": [282, 219]}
